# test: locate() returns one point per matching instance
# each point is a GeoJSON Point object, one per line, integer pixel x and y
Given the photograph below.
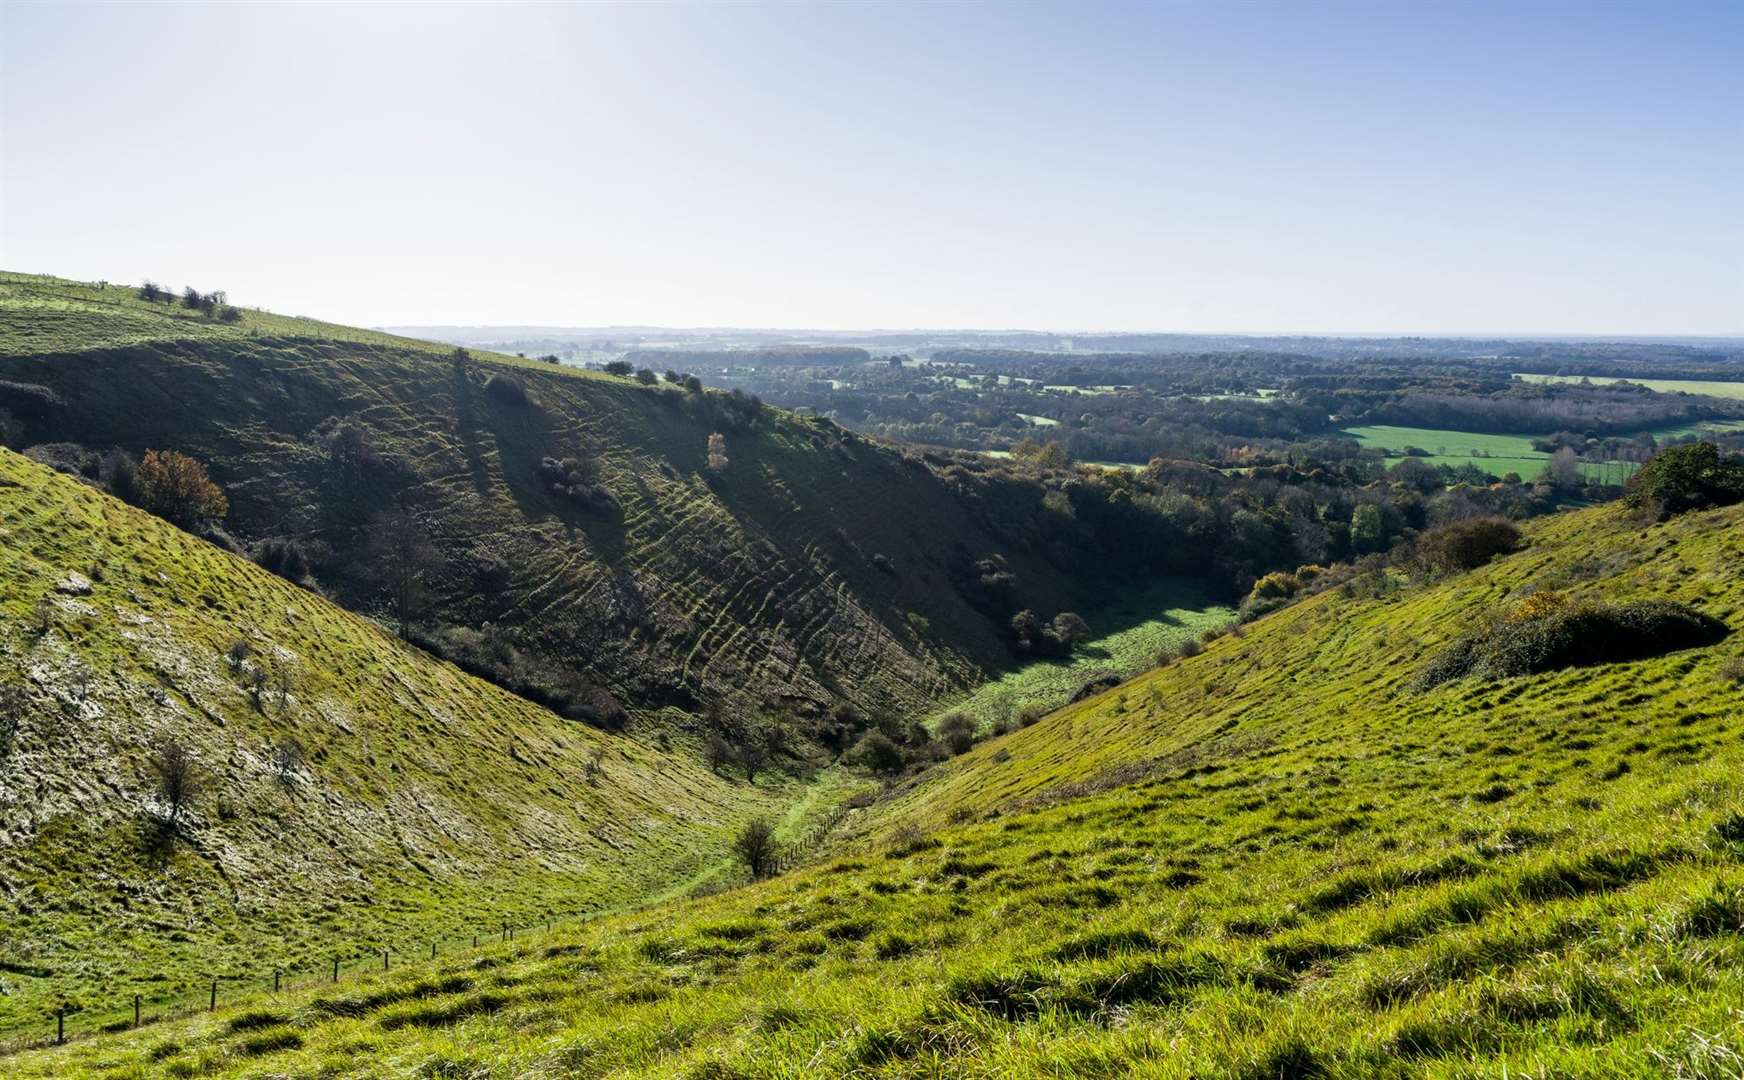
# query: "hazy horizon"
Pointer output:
{"type": "Point", "coordinates": [1557, 170]}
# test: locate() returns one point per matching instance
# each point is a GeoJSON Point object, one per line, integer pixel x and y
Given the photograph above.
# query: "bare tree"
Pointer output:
{"type": "Point", "coordinates": [179, 781]}
{"type": "Point", "coordinates": [403, 559]}
{"type": "Point", "coordinates": [755, 847]}
{"type": "Point", "coordinates": [717, 751]}
{"type": "Point", "coordinates": [596, 763]}
{"type": "Point", "coordinates": [284, 680]}
{"type": "Point", "coordinates": [287, 758]}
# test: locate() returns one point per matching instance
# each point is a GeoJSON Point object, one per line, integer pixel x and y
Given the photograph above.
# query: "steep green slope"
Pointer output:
{"type": "Point", "coordinates": [816, 567]}
{"type": "Point", "coordinates": [423, 803]}
{"type": "Point", "coordinates": [1275, 859]}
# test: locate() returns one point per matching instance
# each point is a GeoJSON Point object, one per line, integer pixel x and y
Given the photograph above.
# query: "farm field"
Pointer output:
{"type": "Point", "coordinates": [1709, 387]}
{"type": "Point", "coordinates": [1496, 454]}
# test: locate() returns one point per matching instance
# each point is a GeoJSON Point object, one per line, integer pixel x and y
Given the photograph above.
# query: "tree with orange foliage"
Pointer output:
{"type": "Point", "coordinates": [177, 488]}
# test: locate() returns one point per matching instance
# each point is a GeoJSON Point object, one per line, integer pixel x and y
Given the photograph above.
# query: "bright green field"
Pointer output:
{"type": "Point", "coordinates": [1272, 860]}
{"type": "Point", "coordinates": [1496, 454]}
{"type": "Point", "coordinates": [1709, 387]}
{"type": "Point", "coordinates": [1131, 632]}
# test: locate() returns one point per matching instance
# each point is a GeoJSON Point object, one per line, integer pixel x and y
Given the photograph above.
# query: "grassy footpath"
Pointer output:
{"type": "Point", "coordinates": [1274, 859]}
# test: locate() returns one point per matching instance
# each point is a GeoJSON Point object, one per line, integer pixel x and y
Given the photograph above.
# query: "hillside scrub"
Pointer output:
{"type": "Point", "coordinates": [1545, 632]}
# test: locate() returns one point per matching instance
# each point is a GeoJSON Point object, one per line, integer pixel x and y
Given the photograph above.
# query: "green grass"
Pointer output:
{"type": "Point", "coordinates": [430, 805]}
{"type": "Point", "coordinates": [1708, 387]}
{"type": "Point", "coordinates": [1496, 454]}
{"type": "Point", "coordinates": [1129, 635]}
{"type": "Point", "coordinates": [1274, 859]}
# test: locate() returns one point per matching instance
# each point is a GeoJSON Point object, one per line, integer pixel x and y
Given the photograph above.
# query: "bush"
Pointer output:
{"type": "Point", "coordinates": [621, 368]}
{"type": "Point", "coordinates": [506, 391]}
{"type": "Point", "coordinates": [119, 474]}
{"type": "Point", "coordinates": [647, 377]}
{"type": "Point", "coordinates": [1684, 478]}
{"type": "Point", "coordinates": [876, 751]}
{"type": "Point", "coordinates": [957, 731]}
{"type": "Point", "coordinates": [284, 557]}
{"type": "Point", "coordinates": [176, 488]}
{"type": "Point", "coordinates": [576, 479]}
{"type": "Point", "coordinates": [1466, 545]}
{"type": "Point", "coordinates": [1546, 633]}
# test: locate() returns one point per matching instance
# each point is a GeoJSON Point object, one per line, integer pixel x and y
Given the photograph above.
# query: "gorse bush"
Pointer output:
{"type": "Point", "coordinates": [176, 488]}
{"type": "Point", "coordinates": [1546, 632]}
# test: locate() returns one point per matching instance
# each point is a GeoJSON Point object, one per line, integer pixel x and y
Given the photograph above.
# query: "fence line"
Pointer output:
{"type": "Point", "coordinates": [141, 1011]}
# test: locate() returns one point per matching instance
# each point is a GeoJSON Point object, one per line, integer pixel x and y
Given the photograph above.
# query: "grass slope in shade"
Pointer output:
{"type": "Point", "coordinates": [1130, 633]}
{"type": "Point", "coordinates": [1274, 859]}
{"type": "Point", "coordinates": [427, 804]}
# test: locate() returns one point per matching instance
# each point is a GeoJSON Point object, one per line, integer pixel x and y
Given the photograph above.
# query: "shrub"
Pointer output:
{"type": "Point", "coordinates": [176, 488]}
{"type": "Point", "coordinates": [957, 731]}
{"type": "Point", "coordinates": [1466, 545]}
{"type": "Point", "coordinates": [876, 751]}
{"type": "Point", "coordinates": [621, 368]}
{"type": "Point", "coordinates": [755, 847]}
{"type": "Point", "coordinates": [1732, 671]}
{"type": "Point", "coordinates": [119, 473]}
{"type": "Point", "coordinates": [647, 377]}
{"type": "Point", "coordinates": [717, 453]}
{"type": "Point", "coordinates": [1683, 478]}
{"type": "Point", "coordinates": [506, 391]}
{"type": "Point", "coordinates": [284, 557]}
{"type": "Point", "coordinates": [1545, 633]}
{"type": "Point", "coordinates": [576, 479]}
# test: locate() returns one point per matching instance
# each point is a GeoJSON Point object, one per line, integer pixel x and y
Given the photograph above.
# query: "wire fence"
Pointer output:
{"type": "Point", "coordinates": [68, 1025]}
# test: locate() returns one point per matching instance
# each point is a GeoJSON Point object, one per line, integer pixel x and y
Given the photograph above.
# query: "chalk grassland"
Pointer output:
{"type": "Point", "coordinates": [422, 803]}
{"type": "Point", "coordinates": [1274, 859]}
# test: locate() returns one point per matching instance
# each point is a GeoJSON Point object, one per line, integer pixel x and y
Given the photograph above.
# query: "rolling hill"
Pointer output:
{"type": "Point", "coordinates": [577, 515]}
{"type": "Point", "coordinates": [1284, 857]}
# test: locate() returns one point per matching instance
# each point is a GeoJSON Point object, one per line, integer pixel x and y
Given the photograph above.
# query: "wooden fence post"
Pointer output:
{"type": "Point", "coordinates": [432, 950]}
{"type": "Point", "coordinates": [475, 941]}
{"type": "Point", "coordinates": [384, 959]}
{"type": "Point", "coordinates": [505, 931]}
{"type": "Point", "coordinates": [136, 1010]}
{"type": "Point", "coordinates": [276, 974]}
{"type": "Point", "coordinates": [336, 969]}
{"type": "Point", "coordinates": [60, 1025]}
{"type": "Point", "coordinates": [213, 1006]}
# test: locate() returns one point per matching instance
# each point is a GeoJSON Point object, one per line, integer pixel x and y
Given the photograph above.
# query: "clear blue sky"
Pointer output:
{"type": "Point", "coordinates": [1412, 166]}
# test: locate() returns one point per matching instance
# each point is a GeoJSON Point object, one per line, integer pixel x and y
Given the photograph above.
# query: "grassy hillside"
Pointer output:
{"type": "Point", "coordinates": [815, 568]}
{"type": "Point", "coordinates": [423, 804]}
{"type": "Point", "coordinates": [1275, 859]}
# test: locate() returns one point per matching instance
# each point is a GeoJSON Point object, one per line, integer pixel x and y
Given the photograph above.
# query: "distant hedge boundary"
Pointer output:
{"type": "Point", "coordinates": [1546, 633]}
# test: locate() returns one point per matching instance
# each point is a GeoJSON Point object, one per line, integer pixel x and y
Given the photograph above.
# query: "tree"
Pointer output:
{"type": "Point", "coordinates": [177, 488]}
{"type": "Point", "coordinates": [179, 781]}
{"type": "Point", "coordinates": [621, 368]}
{"type": "Point", "coordinates": [717, 751]}
{"type": "Point", "coordinates": [152, 293]}
{"type": "Point", "coordinates": [957, 731]}
{"type": "Point", "coordinates": [755, 847]}
{"type": "Point", "coordinates": [191, 298]}
{"type": "Point", "coordinates": [1562, 470]}
{"type": "Point", "coordinates": [692, 384]}
{"type": "Point", "coordinates": [403, 559]}
{"type": "Point", "coordinates": [717, 453]}
{"type": "Point", "coordinates": [1685, 478]}
{"type": "Point", "coordinates": [753, 756]}
{"type": "Point", "coordinates": [1070, 628]}
{"type": "Point", "coordinates": [1368, 530]}
{"type": "Point", "coordinates": [646, 377]}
